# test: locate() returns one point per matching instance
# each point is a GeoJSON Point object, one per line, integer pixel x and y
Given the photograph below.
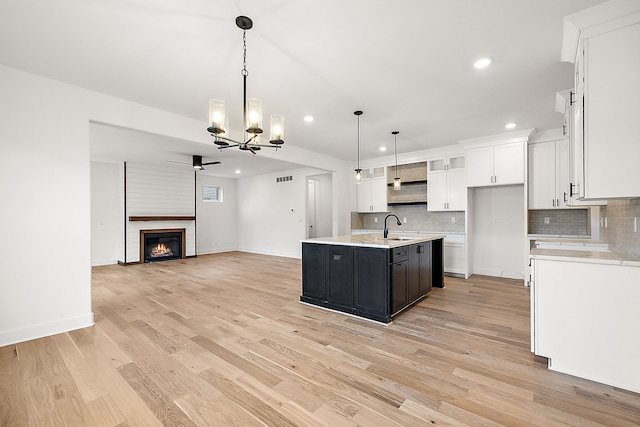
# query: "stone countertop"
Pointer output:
{"type": "Point", "coordinates": [375, 240]}
{"type": "Point", "coordinates": [572, 242]}
{"type": "Point", "coordinates": [591, 257]}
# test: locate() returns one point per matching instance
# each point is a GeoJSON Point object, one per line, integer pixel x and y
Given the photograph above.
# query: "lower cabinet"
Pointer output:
{"type": "Point", "coordinates": [370, 282]}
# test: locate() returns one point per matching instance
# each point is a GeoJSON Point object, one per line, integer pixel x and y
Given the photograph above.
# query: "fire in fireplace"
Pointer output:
{"type": "Point", "coordinates": [161, 245]}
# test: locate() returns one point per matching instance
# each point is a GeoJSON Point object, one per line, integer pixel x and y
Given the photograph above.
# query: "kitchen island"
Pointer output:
{"type": "Point", "coordinates": [369, 276]}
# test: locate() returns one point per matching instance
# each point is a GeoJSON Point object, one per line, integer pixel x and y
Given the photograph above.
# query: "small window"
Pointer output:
{"type": "Point", "coordinates": [211, 194]}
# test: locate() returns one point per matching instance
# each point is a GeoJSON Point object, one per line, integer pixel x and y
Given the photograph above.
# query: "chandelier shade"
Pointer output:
{"type": "Point", "coordinates": [251, 113]}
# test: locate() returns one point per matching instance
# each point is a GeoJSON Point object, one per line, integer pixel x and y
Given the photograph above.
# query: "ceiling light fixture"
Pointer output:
{"type": "Point", "coordinates": [510, 125]}
{"type": "Point", "coordinates": [358, 170]}
{"type": "Point", "coordinates": [308, 119]}
{"type": "Point", "coordinates": [397, 185]}
{"type": "Point", "coordinates": [251, 112]}
{"type": "Point", "coordinates": [483, 62]}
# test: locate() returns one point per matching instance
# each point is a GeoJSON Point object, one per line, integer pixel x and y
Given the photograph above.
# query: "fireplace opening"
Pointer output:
{"type": "Point", "coordinates": [161, 245]}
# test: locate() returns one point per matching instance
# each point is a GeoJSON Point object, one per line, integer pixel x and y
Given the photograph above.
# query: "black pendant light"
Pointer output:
{"type": "Point", "coordinates": [397, 185]}
{"type": "Point", "coordinates": [358, 170]}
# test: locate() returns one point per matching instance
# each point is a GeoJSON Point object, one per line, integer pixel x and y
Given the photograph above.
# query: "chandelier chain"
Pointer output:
{"type": "Point", "coordinates": [244, 53]}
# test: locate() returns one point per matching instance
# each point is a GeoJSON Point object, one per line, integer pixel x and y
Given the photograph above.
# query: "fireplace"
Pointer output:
{"type": "Point", "coordinates": [162, 245]}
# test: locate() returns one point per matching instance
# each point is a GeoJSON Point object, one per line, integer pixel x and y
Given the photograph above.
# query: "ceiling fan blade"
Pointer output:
{"type": "Point", "coordinates": [211, 163]}
{"type": "Point", "coordinates": [176, 162]}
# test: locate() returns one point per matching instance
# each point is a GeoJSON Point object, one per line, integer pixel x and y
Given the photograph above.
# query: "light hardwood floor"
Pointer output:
{"type": "Point", "coordinates": [222, 340]}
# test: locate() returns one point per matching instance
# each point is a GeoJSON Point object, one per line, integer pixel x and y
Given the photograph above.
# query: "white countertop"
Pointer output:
{"type": "Point", "coordinates": [592, 257]}
{"type": "Point", "coordinates": [375, 240]}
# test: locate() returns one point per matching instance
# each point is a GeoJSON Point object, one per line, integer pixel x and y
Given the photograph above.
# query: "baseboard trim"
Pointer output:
{"type": "Point", "coordinates": [46, 329]}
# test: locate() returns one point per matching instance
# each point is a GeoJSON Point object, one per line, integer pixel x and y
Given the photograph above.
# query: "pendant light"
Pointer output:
{"type": "Point", "coordinates": [397, 185]}
{"type": "Point", "coordinates": [358, 170]}
{"type": "Point", "coordinates": [251, 112]}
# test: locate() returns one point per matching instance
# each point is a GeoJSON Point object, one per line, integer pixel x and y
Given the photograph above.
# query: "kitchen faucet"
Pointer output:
{"type": "Point", "coordinates": [386, 230]}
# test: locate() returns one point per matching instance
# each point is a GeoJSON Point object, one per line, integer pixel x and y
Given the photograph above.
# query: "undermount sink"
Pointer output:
{"type": "Point", "coordinates": [399, 238]}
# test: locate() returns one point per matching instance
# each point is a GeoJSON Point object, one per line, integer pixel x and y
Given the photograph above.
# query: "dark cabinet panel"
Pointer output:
{"type": "Point", "coordinates": [399, 281]}
{"type": "Point", "coordinates": [413, 285]}
{"type": "Point", "coordinates": [313, 271]}
{"type": "Point", "coordinates": [426, 272]}
{"type": "Point", "coordinates": [340, 275]}
{"type": "Point", "coordinates": [371, 281]}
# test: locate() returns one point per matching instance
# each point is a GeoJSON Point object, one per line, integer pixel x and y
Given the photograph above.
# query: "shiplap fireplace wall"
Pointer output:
{"type": "Point", "coordinates": [154, 191]}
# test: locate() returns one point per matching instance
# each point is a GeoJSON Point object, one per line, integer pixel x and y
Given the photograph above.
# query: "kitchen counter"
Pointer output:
{"type": "Point", "coordinates": [375, 240]}
{"type": "Point", "coordinates": [591, 257]}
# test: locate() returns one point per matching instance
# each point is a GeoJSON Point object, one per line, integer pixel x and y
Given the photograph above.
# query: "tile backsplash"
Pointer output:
{"type": "Point", "coordinates": [418, 219]}
{"type": "Point", "coordinates": [619, 233]}
{"type": "Point", "coordinates": [570, 222]}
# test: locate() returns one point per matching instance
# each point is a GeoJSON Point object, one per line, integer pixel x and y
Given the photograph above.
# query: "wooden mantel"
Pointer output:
{"type": "Point", "coordinates": [162, 218]}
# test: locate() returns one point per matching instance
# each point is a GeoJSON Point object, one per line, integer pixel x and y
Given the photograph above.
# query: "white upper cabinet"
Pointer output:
{"type": "Point", "coordinates": [549, 175]}
{"type": "Point", "coordinates": [446, 184]}
{"type": "Point", "coordinates": [498, 164]}
{"type": "Point", "coordinates": [604, 44]}
{"type": "Point", "coordinates": [372, 191]}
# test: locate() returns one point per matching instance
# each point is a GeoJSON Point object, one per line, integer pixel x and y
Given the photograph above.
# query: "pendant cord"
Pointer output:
{"type": "Point", "coordinates": [245, 73]}
{"type": "Point", "coordinates": [358, 142]}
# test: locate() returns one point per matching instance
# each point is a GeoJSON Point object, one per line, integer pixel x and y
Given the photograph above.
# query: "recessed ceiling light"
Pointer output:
{"type": "Point", "coordinates": [483, 62]}
{"type": "Point", "coordinates": [510, 125]}
{"type": "Point", "coordinates": [237, 170]}
{"type": "Point", "coordinates": [383, 148]}
{"type": "Point", "coordinates": [308, 119]}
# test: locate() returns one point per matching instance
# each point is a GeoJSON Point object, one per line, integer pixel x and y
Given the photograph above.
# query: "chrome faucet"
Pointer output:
{"type": "Point", "coordinates": [386, 230]}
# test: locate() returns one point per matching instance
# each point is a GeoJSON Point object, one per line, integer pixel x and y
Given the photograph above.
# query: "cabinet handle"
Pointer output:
{"type": "Point", "coordinates": [565, 197]}
{"type": "Point", "coordinates": [571, 99]}
{"type": "Point", "coordinates": [557, 203]}
{"type": "Point", "coordinates": [553, 203]}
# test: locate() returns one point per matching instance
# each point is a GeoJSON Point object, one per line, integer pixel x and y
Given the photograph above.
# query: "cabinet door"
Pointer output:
{"type": "Point", "coordinates": [454, 258]}
{"type": "Point", "coordinates": [456, 190]}
{"type": "Point", "coordinates": [479, 167]}
{"type": "Point", "coordinates": [437, 191]}
{"type": "Point", "coordinates": [413, 282]}
{"type": "Point", "coordinates": [611, 114]}
{"type": "Point", "coordinates": [313, 271]}
{"type": "Point", "coordinates": [425, 268]}
{"type": "Point", "coordinates": [379, 195]}
{"type": "Point", "coordinates": [371, 284]}
{"type": "Point", "coordinates": [364, 196]}
{"type": "Point", "coordinates": [562, 173]}
{"type": "Point", "coordinates": [542, 175]}
{"type": "Point", "coordinates": [508, 163]}
{"type": "Point", "coordinates": [399, 278]}
{"type": "Point", "coordinates": [340, 275]}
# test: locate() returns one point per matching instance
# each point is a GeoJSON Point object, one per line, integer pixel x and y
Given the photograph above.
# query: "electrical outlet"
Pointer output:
{"type": "Point", "coordinates": [546, 220]}
{"type": "Point", "coordinates": [453, 220]}
{"type": "Point", "coordinates": [601, 221]}
{"type": "Point", "coordinates": [404, 220]}
{"type": "Point", "coordinates": [375, 219]}
{"type": "Point", "coordinates": [605, 222]}
{"type": "Point", "coordinates": [635, 224]}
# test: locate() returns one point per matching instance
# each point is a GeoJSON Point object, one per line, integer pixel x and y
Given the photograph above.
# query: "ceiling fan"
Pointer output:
{"type": "Point", "coordinates": [197, 163]}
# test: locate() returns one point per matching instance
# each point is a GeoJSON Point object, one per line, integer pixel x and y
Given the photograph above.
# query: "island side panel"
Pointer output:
{"type": "Point", "coordinates": [437, 265]}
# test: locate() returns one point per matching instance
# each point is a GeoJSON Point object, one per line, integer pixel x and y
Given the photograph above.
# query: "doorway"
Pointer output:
{"type": "Point", "coordinates": [319, 206]}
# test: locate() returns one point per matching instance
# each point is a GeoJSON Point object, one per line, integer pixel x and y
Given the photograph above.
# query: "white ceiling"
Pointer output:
{"type": "Point", "coordinates": [408, 64]}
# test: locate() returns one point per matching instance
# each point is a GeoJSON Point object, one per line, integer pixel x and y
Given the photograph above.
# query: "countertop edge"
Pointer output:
{"type": "Point", "coordinates": [591, 257]}
{"type": "Point", "coordinates": [371, 240]}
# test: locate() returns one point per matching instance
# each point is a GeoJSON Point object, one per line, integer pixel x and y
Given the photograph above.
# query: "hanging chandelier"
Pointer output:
{"type": "Point", "coordinates": [251, 112]}
{"type": "Point", "coordinates": [358, 170]}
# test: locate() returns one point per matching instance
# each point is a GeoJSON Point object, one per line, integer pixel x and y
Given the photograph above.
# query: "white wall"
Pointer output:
{"type": "Point", "coordinates": [497, 247]}
{"type": "Point", "coordinates": [106, 218]}
{"type": "Point", "coordinates": [45, 281]}
{"type": "Point", "coordinates": [272, 215]}
{"type": "Point", "coordinates": [217, 222]}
